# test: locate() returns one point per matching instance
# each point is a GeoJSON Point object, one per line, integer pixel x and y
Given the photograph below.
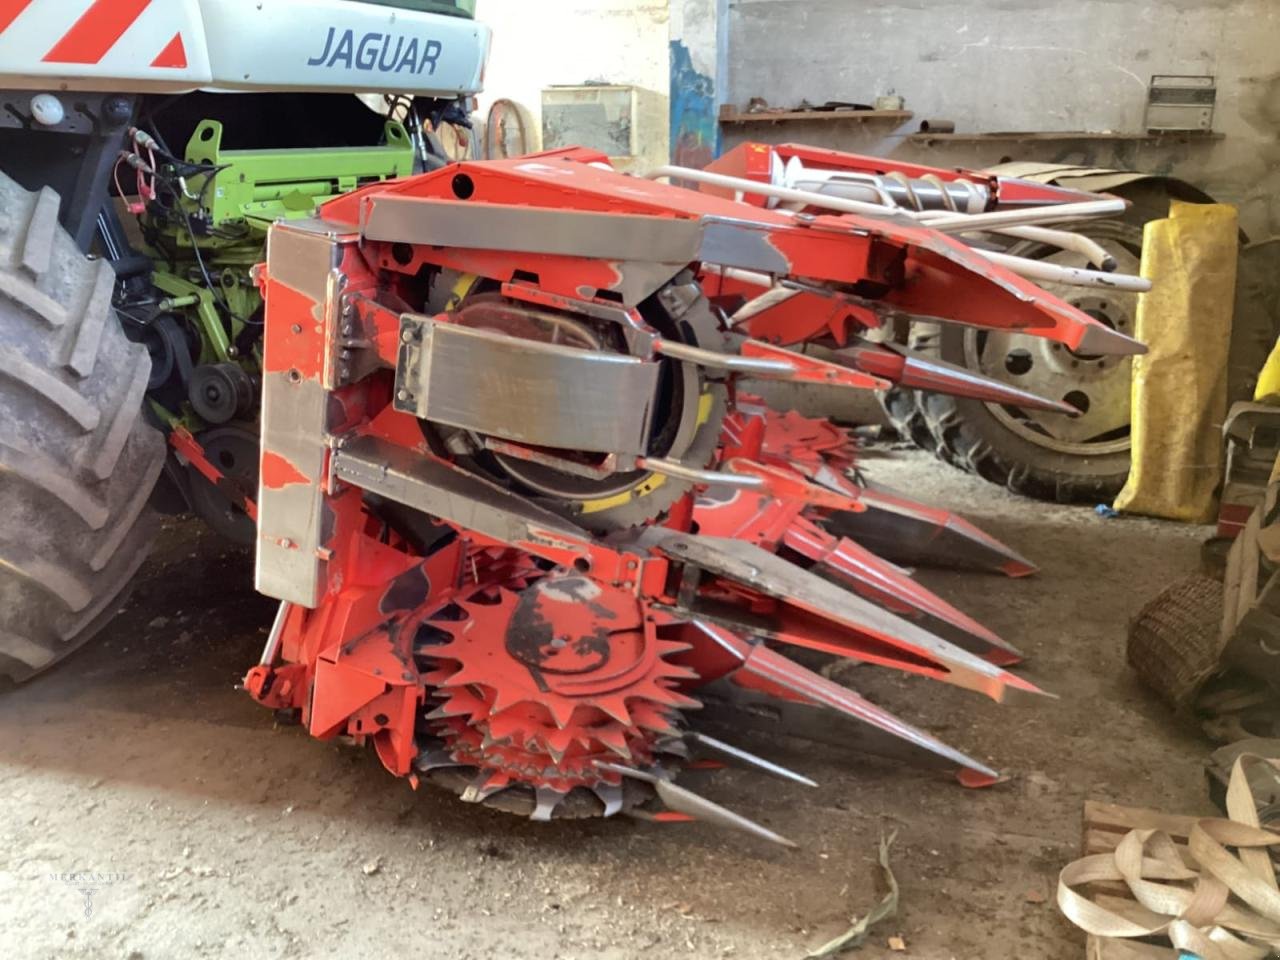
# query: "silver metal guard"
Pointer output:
{"type": "Point", "coordinates": [541, 394]}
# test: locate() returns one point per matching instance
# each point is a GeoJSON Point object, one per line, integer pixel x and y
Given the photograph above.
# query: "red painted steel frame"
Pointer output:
{"type": "Point", "coordinates": [350, 666]}
{"type": "Point", "coordinates": [896, 268]}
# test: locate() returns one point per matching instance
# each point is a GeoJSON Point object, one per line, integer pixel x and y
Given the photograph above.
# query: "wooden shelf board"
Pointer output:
{"type": "Point", "coordinates": [820, 116]}
{"type": "Point", "coordinates": [1051, 135]}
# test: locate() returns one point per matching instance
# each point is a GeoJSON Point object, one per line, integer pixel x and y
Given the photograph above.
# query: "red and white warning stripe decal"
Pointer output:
{"type": "Point", "coordinates": [9, 10]}
{"type": "Point", "coordinates": [118, 38]}
{"type": "Point", "coordinates": [177, 45]}
{"type": "Point", "coordinates": [101, 27]}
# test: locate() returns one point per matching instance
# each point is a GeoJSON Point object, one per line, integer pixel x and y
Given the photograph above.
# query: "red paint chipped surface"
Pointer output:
{"type": "Point", "coordinates": [287, 351]}
{"type": "Point", "coordinates": [278, 472]}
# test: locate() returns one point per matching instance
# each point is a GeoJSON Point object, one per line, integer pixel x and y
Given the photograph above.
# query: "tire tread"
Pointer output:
{"type": "Point", "coordinates": [78, 459]}
{"type": "Point", "coordinates": [960, 434]}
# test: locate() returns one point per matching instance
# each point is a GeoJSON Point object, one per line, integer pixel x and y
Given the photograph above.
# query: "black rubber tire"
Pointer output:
{"type": "Point", "coordinates": [969, 436]}
{"type": "Point", "coordinates": [965, 433]}
{"type": "Point", "coordinates": [77, 459]}
{"type": "Point", "coordinates": [901, 405]}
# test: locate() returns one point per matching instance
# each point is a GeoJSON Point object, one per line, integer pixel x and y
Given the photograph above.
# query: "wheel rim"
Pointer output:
{"type": "Point", "coordinates": [1098, 386]}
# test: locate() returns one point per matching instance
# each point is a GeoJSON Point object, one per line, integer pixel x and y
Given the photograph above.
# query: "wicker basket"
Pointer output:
{"type": "Point", "coordinates": [1175, 642]}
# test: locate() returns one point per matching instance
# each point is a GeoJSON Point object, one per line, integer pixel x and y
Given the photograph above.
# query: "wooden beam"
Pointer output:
{"type": "Point", "coordinates": [729, 114]}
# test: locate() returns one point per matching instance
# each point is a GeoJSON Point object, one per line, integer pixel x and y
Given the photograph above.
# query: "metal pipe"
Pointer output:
{"type": "Point", "coordinates": [177, 303]}
{"type": "Point", "coordinates": [729, 750]}
{"type": "Point", "coordinates": [1071, 276]}
{"type": "Point", "coordinates": [1022, 266]}
{"type": "Point", "coordinates": [722, 361]}
{"type": "Point", "coordinates": [931, 193]}
{"type": "Point", "coordinates": [844, 185]}
{"type": "Point", "coordinates": [273, 638]}
{"type": "Point", "coordinates": [806, 197]}
{"type": "Point", "coordinates": [710, 478]}
{"type": "Point", "coordinates": [1053, 213]}
{"type": "Point", "coordinates": [1065, 240]}
{"type": "Point", "coordinates": [923, 194]}
{"type": "Point", "coordinates": [765, 301]}
{"type": "Point", "coordinates": [894, 189]}
{"type": "Point", "coordinates": [943, 222]}
{"type": "Point", "coordinates": [747, 276]}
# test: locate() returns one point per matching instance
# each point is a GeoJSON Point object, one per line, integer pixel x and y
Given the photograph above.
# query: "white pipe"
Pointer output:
{"type": "Point", "coordinates": [942, 221]}
{"type": "Point", "coordinates": [1093, 251]}
{"type": "Point", "coordinates": [806, 197]}
{"type": "Point", "coordinates": [765, 301]}
{"type": "Point", "coordinates": [1053, 213]}
{"type": "Point", "coordinates": [1023, 267]}
{"type": "Point", "coordinates": [1039, 270]}
{"type": "Point", "coordinates": [747, 276]}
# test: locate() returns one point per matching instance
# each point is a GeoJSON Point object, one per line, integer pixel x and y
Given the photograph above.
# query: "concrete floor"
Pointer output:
{"type": "Point", "coordinates": [233, 838]}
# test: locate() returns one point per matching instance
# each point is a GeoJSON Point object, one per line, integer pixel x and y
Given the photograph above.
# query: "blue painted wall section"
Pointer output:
{"type": "Point", "coordinates": [695, 128]}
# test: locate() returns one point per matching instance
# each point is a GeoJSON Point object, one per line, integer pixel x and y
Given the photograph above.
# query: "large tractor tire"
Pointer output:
{"type": "Point", "coordinates": [77, 459]}
{"type": "Point", "coordinates": [1036, 454]}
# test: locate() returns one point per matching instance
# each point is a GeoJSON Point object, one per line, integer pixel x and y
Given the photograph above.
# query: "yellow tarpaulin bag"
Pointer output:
{"type": "Point", "coordinates": [1180, 386]}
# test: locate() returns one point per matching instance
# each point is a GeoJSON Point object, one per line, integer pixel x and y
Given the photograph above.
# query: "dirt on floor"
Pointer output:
{"type": "Point", "coordinates": [214, 833]}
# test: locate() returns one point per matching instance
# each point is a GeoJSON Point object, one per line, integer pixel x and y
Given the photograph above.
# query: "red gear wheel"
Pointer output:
{"type": "Point", "coordinates": [536, 687]}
